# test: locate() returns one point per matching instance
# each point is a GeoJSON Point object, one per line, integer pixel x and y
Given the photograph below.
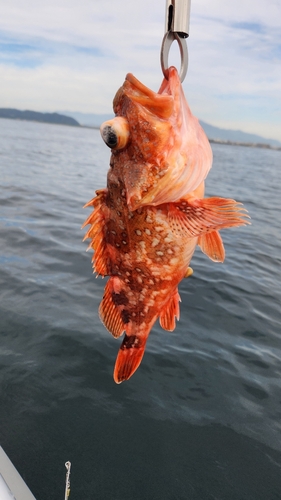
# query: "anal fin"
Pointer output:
{"type": "Point", "coordinates": [109, 312]}
{"type": "Point", "coordinates": [170, 312]}
{"type": "Point", "coordinates": [211, 245]}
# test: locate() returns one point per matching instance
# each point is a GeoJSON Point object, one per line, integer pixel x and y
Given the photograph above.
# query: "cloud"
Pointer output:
{"type": "Point", "coordinates": [70, 54]}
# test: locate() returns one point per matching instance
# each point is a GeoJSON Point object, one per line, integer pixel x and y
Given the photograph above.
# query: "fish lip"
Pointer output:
{"type": "Point", "coordinates": [139, 86]}
{"type": "Point", "coordinates": [169, 85]}
{"type": "Point", "coordinates": [160, 105]}
{"type": "Point", "coordinates": [172, 83]}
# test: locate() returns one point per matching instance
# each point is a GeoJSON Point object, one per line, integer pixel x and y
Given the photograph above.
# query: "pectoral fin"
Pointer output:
{"type": "Point", "coordinates": [196, 217]}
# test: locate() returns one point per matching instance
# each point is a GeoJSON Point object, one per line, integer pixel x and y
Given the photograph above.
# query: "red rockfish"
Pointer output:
{"type": "Point", "coordinates": [147, 222]}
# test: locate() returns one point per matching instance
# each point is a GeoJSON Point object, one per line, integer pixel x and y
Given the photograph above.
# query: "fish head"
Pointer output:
{"type": "Point", "coordinates": [163, 153]}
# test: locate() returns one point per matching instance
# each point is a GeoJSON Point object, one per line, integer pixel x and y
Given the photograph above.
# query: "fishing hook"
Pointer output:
{"type": "Point", "coordinates": [67, 480]}
{"type": "Point", "coordinates": [176, 28]}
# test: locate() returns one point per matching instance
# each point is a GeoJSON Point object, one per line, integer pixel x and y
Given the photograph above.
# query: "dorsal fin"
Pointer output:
{"type": "Point", "coordinates": [211, 245]}
{"type": "Point", "coordinates": [170, 312]}
{"type": "Point", "coordinates": [96, 233]}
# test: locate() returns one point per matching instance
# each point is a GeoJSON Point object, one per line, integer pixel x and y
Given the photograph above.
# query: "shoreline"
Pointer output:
{"type": "Point", "coordinates": [247, 144]}
{"type": "Point", "coordinates": [212, 141]}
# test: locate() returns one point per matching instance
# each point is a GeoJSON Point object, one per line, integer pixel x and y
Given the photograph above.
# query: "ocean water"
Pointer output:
{"type": "Point", "coordinates": [200, 419]}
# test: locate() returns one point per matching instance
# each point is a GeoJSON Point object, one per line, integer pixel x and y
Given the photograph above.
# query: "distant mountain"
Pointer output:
{"type": "Point", "coordinates": [215, 133]}
{"type": "Point", "coordinates": [75, 119]}
{"type": "Point", "coordinates": [35, 116]}
{"type": "Point", "coordinates": [88, 119]}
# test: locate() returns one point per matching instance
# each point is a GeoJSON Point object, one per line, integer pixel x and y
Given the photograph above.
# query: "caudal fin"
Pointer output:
{"type": "Point", "coordinates": [129, 357]}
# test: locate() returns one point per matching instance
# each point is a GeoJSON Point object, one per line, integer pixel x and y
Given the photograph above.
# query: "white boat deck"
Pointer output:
{"type": "Point", "coordinates": [12, 486]}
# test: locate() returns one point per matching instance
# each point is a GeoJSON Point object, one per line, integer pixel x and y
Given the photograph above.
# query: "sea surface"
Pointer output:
{"type": "Point", "coordinates": [201, 418]}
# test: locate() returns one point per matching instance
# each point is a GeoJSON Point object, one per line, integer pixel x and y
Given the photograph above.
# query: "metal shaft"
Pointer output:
{"type": "Point", "coordinates": [177, 17]}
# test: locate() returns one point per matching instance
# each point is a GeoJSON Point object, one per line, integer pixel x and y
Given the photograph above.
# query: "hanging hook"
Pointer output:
{"type": "Point", "coordinates": [176, 28]}
{"type": "Point", "coordinates": [168, 39]}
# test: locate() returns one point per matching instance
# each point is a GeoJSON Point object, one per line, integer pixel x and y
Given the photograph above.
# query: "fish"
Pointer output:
{"type": "Point", "coordinates": [149, 219]}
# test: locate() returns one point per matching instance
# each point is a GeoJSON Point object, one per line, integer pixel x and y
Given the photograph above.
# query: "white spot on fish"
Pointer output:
{"type": "Point", "coordinates": [150, 303]}
{"type": "Point", "coordinates": [138, 232]}
{"type": "Point", "coordinates": [143, 294]}
{"type": "Point", "coordinates": [155, 242]}
{"type": "Point", "coordinates": [156, 272]}
{"type": "Point", "coordinates": [148, 232]}
{"type": "Point", "coordinates": [159, 253]}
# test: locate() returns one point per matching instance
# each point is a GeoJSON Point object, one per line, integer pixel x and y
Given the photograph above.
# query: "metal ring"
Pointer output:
{"type": "Point", "coordinates": [168, 39]}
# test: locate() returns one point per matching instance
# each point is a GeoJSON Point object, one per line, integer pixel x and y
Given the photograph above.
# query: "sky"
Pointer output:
{"type": "Point", "coordinates": [74, 55]}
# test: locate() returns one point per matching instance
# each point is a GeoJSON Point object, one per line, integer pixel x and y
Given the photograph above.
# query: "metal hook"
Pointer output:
{"type": "Point", "coordinates": [177, 28]}
{"type": "Point", "coordinates": [164, 54]}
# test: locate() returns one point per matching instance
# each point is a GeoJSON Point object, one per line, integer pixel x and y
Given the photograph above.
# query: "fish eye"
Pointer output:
{"type": "Point", "coordinates": [109, 136]}
{"type": "Point", "coordinates": [115, 132]}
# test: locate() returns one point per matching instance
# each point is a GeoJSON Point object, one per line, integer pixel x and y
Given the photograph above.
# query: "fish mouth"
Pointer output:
{"type": "Point", "coordinates": [175, 153]}
{"type": "Point", "coordinates": [157, 104]}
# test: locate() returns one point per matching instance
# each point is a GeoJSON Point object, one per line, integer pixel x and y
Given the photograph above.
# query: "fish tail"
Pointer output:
{"type": "Point", "coordinates": [129, 357]}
